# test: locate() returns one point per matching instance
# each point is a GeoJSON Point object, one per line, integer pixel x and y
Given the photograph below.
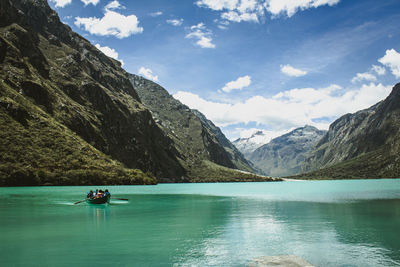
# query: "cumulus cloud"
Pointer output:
{"type": "Point", "coordinates": [93, 2]}
{"type": "Point", "coordinates": [202, 34]}
{"type": "Point", "coordinates": [291, 71]}
{"type": "Point", "coordinates": [239, 17]}
{"type": "Point", "coordinates": [291, 108]}
{"type": "Point", "coordinates": [61, 3]}
{"type": "Point", "coordinates": [235, 10]}
{"type": "Point", "coordinates": [365, 76]}
{"type": "Point", "coordinates": [251, 10]}
{"type": "Point", "coordinates": [114, 5]}
{"type": "Point", "coordinates": [392, 60]}
{"type": "Point", "coordinates": [110, 52]}
{"type": "Point", "coordinates": [378, 70]}
{"type": "Point", "coordinates": [148, 73]}
{"type": "Point", "coordinates": [238, 84]}
{"type": "Point", "coordinates": [112, 23]}
{"type": "Point", "coordinates": [291, 7]}
{"type": "Point", "coordinates": [218, 4]}
{"type": "Point", "coordinates": [175, 22]}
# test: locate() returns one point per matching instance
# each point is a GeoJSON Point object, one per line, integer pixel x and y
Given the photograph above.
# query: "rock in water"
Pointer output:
{"type": "Point", "coordinates": [283, 261]}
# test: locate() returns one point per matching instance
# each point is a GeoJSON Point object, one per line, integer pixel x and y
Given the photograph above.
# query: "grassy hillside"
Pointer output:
{"type": "Point", "coordinates": [210, 172]}
{"type": "Point", "coordinates": [37, 150]}
{"type": "Point", "coordinates": [205, 153]}
{"type": "Point", "coordinates": [372, 165]}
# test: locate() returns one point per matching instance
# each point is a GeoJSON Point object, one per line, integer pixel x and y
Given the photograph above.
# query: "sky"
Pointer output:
{"type": "Point", "coordinates": [248, 65]}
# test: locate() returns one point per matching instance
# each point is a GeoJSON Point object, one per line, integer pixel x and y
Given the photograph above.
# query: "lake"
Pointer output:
{"type": "Point", "coordinates": [328, 223]}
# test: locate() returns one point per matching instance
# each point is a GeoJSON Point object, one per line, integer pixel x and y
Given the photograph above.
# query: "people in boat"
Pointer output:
{"type": "Point", "coordinates": [98, 193]}
{"type": "Point", "coordinates": [90, 194]}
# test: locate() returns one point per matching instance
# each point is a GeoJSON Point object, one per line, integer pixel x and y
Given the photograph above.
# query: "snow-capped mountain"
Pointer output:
{"type": "Point", "coordinates": [285, 154]}
{"type": "Point", "coordinates": [249, 144]}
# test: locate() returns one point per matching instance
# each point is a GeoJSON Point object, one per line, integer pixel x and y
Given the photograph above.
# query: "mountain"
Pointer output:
{"type": "Point", "coordinates": [249, 144]}
{"type": "Point", "coordinates": [365, 144]}
{"type": "Point", "coordinates": [201, 145]}
{"type": "Point", "coordinates": [69, 115]}
{"type": "Point", "coordinates": [237, 158]}
{"type": "Point", "coordinates": [284, 155]}
{"type": "Point", "coordinates": [67, 110]}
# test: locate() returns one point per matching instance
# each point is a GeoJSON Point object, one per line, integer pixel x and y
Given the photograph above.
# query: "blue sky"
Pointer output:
{"type": "Point", "coordinates": [252, 64]}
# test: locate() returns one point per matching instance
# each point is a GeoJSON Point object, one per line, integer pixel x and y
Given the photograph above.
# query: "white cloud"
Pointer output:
{"type": "Point", "coordinates": [112, 23]}
{"type": "Point", "coordinates": [378, 69]}
{"type": "Point", "coordinates": [266, 136]}
{"type": "Point", "coordinates": [156, 14]}
{"type": "Point", "coordinates": [291, 71]}
{"type": "Point", "coordinates": [392, 60]}
{"type": "Point", "coordinates": [114, 5]}
{"type": "Point", "coordinates": [93, 2]}
{"type": "Point", "coordinates": [109, 52]}
{"type": "Point", "coordinates": [365, 76]}
{"type": "Point", "coordinates": [218, 4]}
{"type": "Point", "coordinates": [175, 22]}
{"type": "Point", "coordinates": [239, 84]}
{"type": "Point", "coordinates": [239, 17]}
{"type": "Point", "coordinates": [235, 10]}
{"type": "Point", "coordinates": [148, 73]}
{"type": "Point", "coordinates": [290, 7]}
{"type": "Point", "coordinates": [251, 10]}
{"type": "Point", "coordinates": [202, 34]}
{"type": "Point", "coordinates": [61, 3]}
{"type": "Point", "coordinates": [291, 108]}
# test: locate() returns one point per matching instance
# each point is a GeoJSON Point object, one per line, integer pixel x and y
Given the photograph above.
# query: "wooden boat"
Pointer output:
{"type": "Point", "coordinates": [100, 200]}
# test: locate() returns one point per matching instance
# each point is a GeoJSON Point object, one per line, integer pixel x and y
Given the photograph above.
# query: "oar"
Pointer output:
{"type": "Point", "coordinates": [79, 201]}
{"type": "Point", "coordinates": [121, 198]}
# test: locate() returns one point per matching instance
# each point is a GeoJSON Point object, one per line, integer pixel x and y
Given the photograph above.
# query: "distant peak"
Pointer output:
{"type": "Point", "coordinates": [258, 133]}
{"type": "Point", "coordinates": [309, 127]}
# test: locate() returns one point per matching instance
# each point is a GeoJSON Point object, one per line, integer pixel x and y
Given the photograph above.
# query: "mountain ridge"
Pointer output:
{"type": "Point", "coordinates": [196, 138]}
{"type": "Point", "coordinates": [284, 155]}
{"type": "Point", "coordinates": [64, 101]}
{"type": "Point", "coordinates": [247, 145]}
{"type": "Point", "coordinates": [364, 144]}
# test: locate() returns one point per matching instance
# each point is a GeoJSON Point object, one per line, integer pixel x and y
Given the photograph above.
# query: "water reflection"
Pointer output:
{"type": "Point", "coordinates": [98, 214]}
{"type": "Point", "coordinates": [326, 234]}
{"type": "Point", "coordinates": [182, 227]}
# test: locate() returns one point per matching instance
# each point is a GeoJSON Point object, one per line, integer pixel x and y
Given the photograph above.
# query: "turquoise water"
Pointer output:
{"type": "Point", "coordinates": [328, 223]}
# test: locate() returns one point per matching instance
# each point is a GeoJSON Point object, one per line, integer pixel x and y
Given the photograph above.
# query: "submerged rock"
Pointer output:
{"type": "Point", "coordinates": [283, 261]}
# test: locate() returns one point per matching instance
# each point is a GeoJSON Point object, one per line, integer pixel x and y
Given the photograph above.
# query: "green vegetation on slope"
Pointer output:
{"type": "Point", "coordinates": [372, 165]}
{"type": "Point", "coordinates": [71, 108]}
{"type": "Point", "coordinates": [71, 116]}
{"type": "Point", "coordinates": [206, 154]}
{"type": "Point", "coordinates": [365, 144]}
{"type": "Point", "coordinates": [209, 172]}
{"type": "Point", "coordinates": [37, 150]}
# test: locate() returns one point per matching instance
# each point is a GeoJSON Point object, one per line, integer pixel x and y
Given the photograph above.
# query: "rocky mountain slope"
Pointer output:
{"type": "Point", "coordinates": [55, 84]}
{"type": "Point", "coordinates": [365, 144]}
{"type": "Point", "coordinates": [196, 138]}
{"type": "Point", "coordinates": [70, 115]}
{"type": "Point", "coordinates": [249, 144]}
{"type": "Point", "coordinates": [284, 155]}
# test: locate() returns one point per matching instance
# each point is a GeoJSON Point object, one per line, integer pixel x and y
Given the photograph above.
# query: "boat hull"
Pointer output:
{"type": "Point", "coordinates": [101, 200]}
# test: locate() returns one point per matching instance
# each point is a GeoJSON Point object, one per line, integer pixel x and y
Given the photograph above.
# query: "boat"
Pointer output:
{"type": "Point", "coordinates": [100, 200]}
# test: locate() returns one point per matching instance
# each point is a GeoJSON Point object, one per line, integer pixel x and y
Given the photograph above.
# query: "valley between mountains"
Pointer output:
{"type": "Point", "coordinates": [70, 115]}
